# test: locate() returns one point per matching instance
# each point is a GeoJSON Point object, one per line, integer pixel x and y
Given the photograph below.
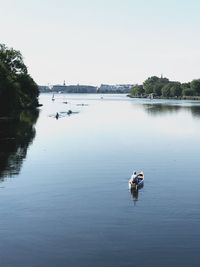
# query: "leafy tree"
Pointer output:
{"type": "Point", "coordinates": [149, 84]}
{"type": "Point", "coordinates": [185, 85]}
{"type": "Point", "coordinates": [157, 89]}
{"type": "Point", "coordinates": [195, 85]}
{"type": "Point", "coordinates": [154, 85]}
{"type": "Point", "coordinates": [175, 89]}
{"type": "Point", "coordinates": [12, 60]}
{"type": "Point", "coordinates": [28, 89]}
{"type": "Point", "coordinates": [17, 89]}
{"type": "Point", "coordinates": [188, 92]}
{"type": "Point", "coordinates": [166, 90]}
{"type": "Point", "coordinates": [137, 90]}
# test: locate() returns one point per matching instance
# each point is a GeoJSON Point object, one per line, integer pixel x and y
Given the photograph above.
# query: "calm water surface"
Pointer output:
{"type": "Point", "coordinates": [64, 184]}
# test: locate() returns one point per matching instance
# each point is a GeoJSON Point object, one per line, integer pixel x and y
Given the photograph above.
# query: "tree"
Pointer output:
{"type": "Point", "coordinates": [185, 85]}
{"type": "Point", "coordinates": [195, 85]}
{"type": "Point", "coordinates": [12, 59]}
{"type": "Point", "coordinates": [154, 85]}
{"type": "Point", "coordinates": [17, 89]}
{"type": "Point", "coordinates": [166, 90]}
{"type": "Point", "coordinates": [157, 89]}
{"type": "Point", "coordinates": [28, 89]}
{"type": "Point", "coordinates": [137, 90]}
{"type": "Point", "coordinates": [175, 89]}
{"type": "Point", "coordinates": [188, 92]}
{"type": "Point", "coordinates": [149, 84]}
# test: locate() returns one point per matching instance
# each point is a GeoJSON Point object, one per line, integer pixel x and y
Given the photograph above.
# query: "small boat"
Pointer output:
{"type": "Point", "coordinates": [57, 115]}
{"type": "Point", "coordinates": [137, 182]}
{"type": "Point", "coordinates": [69, 112]}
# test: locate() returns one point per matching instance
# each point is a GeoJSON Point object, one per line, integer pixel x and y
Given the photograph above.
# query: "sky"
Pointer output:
{"type": "Point", "coordinates": [104, 41]}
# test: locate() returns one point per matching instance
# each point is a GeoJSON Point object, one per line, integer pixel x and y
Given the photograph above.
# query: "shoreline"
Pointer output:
{"type": "Point", "coordinates": [168, 98]}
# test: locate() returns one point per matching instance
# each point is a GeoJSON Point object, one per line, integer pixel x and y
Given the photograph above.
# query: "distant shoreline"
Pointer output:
{"type": "Point", "coordinates": [168, 98]}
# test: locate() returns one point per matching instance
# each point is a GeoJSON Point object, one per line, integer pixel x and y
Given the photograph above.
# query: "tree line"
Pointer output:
{"type": "Point", "coordinates": [17, 88]}
{"type": "Point", "coordinates": [163, 87]}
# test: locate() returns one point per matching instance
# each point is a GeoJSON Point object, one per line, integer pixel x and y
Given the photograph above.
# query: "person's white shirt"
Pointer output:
{"type": "Point", "coordinates": [133, 176]}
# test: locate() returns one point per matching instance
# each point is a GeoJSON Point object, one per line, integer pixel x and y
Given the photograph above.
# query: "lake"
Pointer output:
{"type": "Point", "coordinates": [64, 183]}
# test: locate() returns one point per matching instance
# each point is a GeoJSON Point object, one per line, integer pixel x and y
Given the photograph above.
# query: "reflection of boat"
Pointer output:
{"type": "Point", "coordinates": [137, 181]}
{"type": "Point", "coordinates": [135, 194]}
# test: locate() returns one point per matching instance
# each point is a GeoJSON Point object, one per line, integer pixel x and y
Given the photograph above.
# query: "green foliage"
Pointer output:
{"type": "Point", "coordinates": [154, 85]}
{"type": "Point", "coordinates": [162, 87]}
{"type": "Point", "coordinates": [195, 85]}
{"type": "Point", "coordinates": [175, 90]}
{"type": "Point", "coordinates": [149, 84]}
{"type": "Point", "coordinates": [137, 90]}
{"type": "Point", "coordinates": [157, 89]}
{"type": "Point", "coordinates": [185, 85]}
{"type": "Point", "coordinates": [172, 89]}
{"type": "Point", "coordinates": [188, 92]}
{"type": "Point", "coordinates": [17, 89]}
{"type": "Point", "coordinates": [166, 90]}
{"type": "Point", "coordinates": [12, 60]}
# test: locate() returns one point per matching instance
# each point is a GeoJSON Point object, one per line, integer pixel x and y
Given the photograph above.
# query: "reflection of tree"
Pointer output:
{"type": "Point", "coordinates": [195, 111]}
{"type": "Point", "coordinates": [16, 135]}
{"type": "Point", "coordinates": [159, 109]}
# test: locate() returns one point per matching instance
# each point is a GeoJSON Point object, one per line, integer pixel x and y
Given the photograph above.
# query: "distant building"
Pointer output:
{"type": "Point", "coordinates": [74, 89]}
{"type": "Point", "coordinates": [104, 88]}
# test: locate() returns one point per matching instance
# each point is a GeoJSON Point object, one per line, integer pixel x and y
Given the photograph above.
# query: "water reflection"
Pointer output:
{"type": "Point", "coordinates": [135, 193]}
{"type": "Point", "coordinates": [195, 111]}
{"type": "Point", "coordinates": [159, 109]}
{"type": "Point", "coordinates": [16, 135]}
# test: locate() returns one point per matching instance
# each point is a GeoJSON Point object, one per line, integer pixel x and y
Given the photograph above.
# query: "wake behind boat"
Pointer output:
{"type": "Point", "coordinates": [136, 181]}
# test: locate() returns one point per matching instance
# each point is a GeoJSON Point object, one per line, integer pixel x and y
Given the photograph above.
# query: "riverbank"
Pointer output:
{"type": "Point", "coordinates": [168, 98]}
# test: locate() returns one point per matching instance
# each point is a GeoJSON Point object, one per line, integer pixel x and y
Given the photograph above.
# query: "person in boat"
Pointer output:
{"type": "Point", "coordinates": [134, 178]}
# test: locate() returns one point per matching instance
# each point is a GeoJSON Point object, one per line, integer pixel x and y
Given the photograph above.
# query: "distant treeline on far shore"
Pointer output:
{"type": "Point", "coordinates": [164, 88]}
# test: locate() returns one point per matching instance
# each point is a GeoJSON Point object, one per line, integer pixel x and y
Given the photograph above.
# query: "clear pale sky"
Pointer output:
{"type": "Point", "coordinates": [104, 41]}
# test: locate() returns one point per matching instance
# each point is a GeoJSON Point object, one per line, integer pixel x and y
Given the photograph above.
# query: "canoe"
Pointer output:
{"type": "Point", "coordinates": [139, 183]}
